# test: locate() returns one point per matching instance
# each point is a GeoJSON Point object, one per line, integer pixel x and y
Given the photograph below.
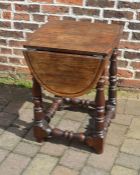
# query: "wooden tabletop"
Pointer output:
{"type": "Point", "coordinates": [76, 37]}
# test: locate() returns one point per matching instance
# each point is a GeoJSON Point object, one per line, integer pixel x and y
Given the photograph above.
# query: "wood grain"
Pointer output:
{"type": "Point", "coordinates": [68, 59]}
{"type": "Point", "coordinates": [65, 74]}
{"type": "Point", "coordinates": [76, 37]}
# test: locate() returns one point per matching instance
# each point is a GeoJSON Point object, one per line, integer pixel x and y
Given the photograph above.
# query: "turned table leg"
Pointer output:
{"type": "Point", "coordinates": [38, 111]}
{"type": "Point", "coordinates": [113, 81]}
{"type": "Point", "coordinates": [100, 108]}
{"type": "Point", "coordinates": [97, 140]}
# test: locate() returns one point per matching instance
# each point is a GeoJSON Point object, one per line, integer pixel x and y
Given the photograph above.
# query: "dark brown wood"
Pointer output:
{"type": "Point", "coordinates": [38, 111]}
{"type": "Point", "coordinates": [80, 102]}
{"type": "Point", "coordinates": [113, 80]}
{"type": "Point", "coordinates": [100, 107]}
{"type": "Point", "coordinates": [96, 143]}
{"type": "Point", "coordinates": [39, 133]}
{"type": "Point", "coordinates": [54, 107]}
{"type": "Point", "coordinates": [68, 59]}
{"type": "Point", "coordinates": [68, 134]}
{"type": "Point", "coordinates": [37, 99]}
{"type": "Point", "coordinates": [65, 74]}
{"type": "Point", "coordinates": [97, 140]}
{"type": "Point", "coordinates": [76, 37]}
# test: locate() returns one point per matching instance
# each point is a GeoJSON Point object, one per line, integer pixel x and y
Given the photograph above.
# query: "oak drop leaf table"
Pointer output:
{"type": "Point", "coordinates": [68, 59]}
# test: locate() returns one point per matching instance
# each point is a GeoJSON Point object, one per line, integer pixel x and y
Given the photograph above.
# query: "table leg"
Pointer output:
{"type": "Point", "coordinates": [97, 140]}
{"type": "Point", "coordinates": [100, 107]}
{"type": "Point", "coordinates": [38, 111]}
{"type": "Point", "coordinates": [113, 81]}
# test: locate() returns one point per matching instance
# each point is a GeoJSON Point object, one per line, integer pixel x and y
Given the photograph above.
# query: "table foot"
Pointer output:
{"type": "Point", "coordinates": [39, 134]}
{"type": "Point", "coordinates": [96, 143]}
